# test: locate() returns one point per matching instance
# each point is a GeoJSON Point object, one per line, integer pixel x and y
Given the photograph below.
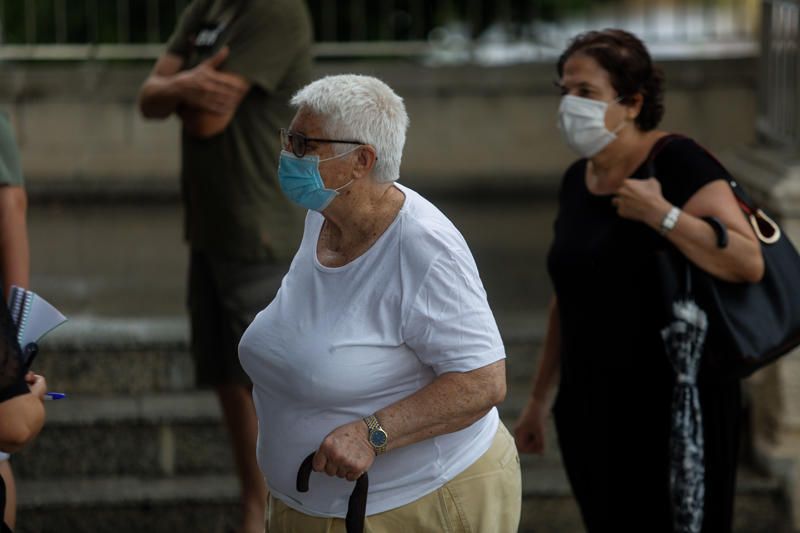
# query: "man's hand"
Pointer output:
{"type": "Point", "coordinates": [204, 98]}
{"type": "Point", "coordinates": [205, 87]}
{"type": "Point", "coordinates": [345, 452]}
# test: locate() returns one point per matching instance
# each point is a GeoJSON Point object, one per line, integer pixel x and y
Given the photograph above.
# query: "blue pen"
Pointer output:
{"type": "Point", "coordinates": [54, 395]}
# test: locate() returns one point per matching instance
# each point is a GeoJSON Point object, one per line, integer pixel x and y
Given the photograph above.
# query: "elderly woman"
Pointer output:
{"type": "Point", "coordinates": [603, 354]}
{"type": "Point", "coordinates": [379, 351]}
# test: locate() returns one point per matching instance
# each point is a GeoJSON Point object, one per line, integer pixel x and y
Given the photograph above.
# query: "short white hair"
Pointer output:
{"type": "Point", "coordinates": [360, 108]}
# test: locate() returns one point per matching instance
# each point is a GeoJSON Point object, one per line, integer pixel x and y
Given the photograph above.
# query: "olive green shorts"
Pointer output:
{"type": "Point", "coordinates": [484, 498]}
{"type": "Point", "coordinates": [224, 295]}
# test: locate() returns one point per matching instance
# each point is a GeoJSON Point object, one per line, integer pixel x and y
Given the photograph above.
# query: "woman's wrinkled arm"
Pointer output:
{"type": "Point", "coordinates": [451, 402]}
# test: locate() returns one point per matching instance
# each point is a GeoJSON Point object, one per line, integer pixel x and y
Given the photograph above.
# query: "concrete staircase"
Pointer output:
{"type": "Point", "coordinates": [136, 448]}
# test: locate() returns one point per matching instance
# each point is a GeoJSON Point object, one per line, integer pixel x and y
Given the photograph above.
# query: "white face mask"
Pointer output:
{"type": "Point", "coordinates": [582, 122]}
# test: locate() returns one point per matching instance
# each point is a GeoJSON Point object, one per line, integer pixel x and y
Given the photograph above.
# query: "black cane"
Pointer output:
{"type": "Point", "coordinates": [356, 506]}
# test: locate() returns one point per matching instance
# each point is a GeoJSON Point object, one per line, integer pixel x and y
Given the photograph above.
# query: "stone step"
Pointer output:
{"type": "Point", "coordinates": [132, 406]}
{"type": "Point", "coordinates": [208, 503]}
{"type": "Point", "coordinates": [130, 355]}
{"type": "Point", "coordinates": [133, 355]}
{"type": "Point", "coordinates": [548, 506]}
{"type": "Point", "coordinates": [131, 399]}
{"type": "Point", "coordinates": [147, 436]}
{"type": "Point", "coordinates": [120, 257]}
{"type": "Point", "coordinates": [205, 503]}
{"type": "Point", "coordinates": [165, 439]}
{"type": "Point", "coordinates": [108, 258]}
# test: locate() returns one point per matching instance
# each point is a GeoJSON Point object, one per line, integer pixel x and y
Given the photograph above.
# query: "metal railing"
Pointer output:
{"type": "Point", "coordinates": [779, 97]}
{"type": "Point", "coordinates": [61, 29]}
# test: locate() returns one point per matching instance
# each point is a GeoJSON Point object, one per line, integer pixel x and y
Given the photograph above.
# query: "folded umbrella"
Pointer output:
{"type": "Point", "coordinates": [683, 339]}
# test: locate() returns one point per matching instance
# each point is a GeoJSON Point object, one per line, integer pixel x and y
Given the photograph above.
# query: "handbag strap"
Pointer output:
{"type": "Point", "coordinates": [686, 290]}
{"type": "Point", "coordinates": [659, 145]}
{"type": "Point", "coordinates": [766, 230]}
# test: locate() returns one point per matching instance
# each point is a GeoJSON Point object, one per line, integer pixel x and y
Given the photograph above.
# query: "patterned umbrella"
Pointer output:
{"type": "Point", "coordinates": [683, 340]}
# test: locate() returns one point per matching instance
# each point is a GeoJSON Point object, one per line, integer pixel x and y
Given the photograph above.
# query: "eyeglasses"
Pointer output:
{"type": "Point", "coordinates": [299, 142]}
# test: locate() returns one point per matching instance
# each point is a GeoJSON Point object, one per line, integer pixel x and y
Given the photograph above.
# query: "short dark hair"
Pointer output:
{"type": "Point", "coordinates": [629, 66]}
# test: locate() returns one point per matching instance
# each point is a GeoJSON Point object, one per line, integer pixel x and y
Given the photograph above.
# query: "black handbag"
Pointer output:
{"type": "Point", "coordinates": [750, 324]}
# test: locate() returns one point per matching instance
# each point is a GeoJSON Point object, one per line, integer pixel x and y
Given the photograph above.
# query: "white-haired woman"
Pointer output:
{"type": "Point", "coordinates": [380, 352]}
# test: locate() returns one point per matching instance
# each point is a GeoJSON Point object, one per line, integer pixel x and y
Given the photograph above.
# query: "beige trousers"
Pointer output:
{"type": "Point", "coordinates": [484, 498]}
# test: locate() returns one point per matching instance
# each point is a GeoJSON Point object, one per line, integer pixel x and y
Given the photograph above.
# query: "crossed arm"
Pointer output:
{"type": "Point", "coordinates": [204, 97]}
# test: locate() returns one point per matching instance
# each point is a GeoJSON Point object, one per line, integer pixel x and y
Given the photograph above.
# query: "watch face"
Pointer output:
{"type": "Point", "coordinates": [377, 438]}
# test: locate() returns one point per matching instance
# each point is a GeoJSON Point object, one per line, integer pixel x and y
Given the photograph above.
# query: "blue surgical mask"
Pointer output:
{"type": "Point", "coordinates": [301, 181]}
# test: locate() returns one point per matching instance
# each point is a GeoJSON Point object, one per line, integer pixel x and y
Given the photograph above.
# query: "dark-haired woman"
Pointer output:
{"type": "Point", "coordinates": [603, 370]}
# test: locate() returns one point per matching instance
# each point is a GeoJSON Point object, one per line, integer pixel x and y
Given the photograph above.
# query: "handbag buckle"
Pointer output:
{"type": "Point", "coordinates": [761, 223]}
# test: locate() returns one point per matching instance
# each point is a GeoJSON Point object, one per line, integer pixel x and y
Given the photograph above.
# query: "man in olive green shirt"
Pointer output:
{"type": "Point", "coordinates": [14, 258]}
{"type": "Point", "coordinates": [228, 73]}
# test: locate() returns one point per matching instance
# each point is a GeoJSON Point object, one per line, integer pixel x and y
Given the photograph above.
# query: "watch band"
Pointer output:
{"type": "Point", "coordinates": [670, 220]}
{"type": "Point", "coordinates": [377, 437]}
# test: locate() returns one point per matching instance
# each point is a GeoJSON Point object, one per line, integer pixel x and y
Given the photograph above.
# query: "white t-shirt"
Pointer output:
{"type": "Point", "coordinates": [338, 344]}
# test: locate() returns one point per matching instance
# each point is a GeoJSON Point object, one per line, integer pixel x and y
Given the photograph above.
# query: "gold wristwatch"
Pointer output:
{"type": "Point", "coordinates": [377, 435]}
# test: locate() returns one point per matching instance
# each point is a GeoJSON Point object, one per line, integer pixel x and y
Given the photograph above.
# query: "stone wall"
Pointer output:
{"type": "Point", "coordinates": [487, 127]}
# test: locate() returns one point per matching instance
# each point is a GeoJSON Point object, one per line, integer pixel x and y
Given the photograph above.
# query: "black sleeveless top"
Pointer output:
{"type": "Point", "coordinates": [602, 267]}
